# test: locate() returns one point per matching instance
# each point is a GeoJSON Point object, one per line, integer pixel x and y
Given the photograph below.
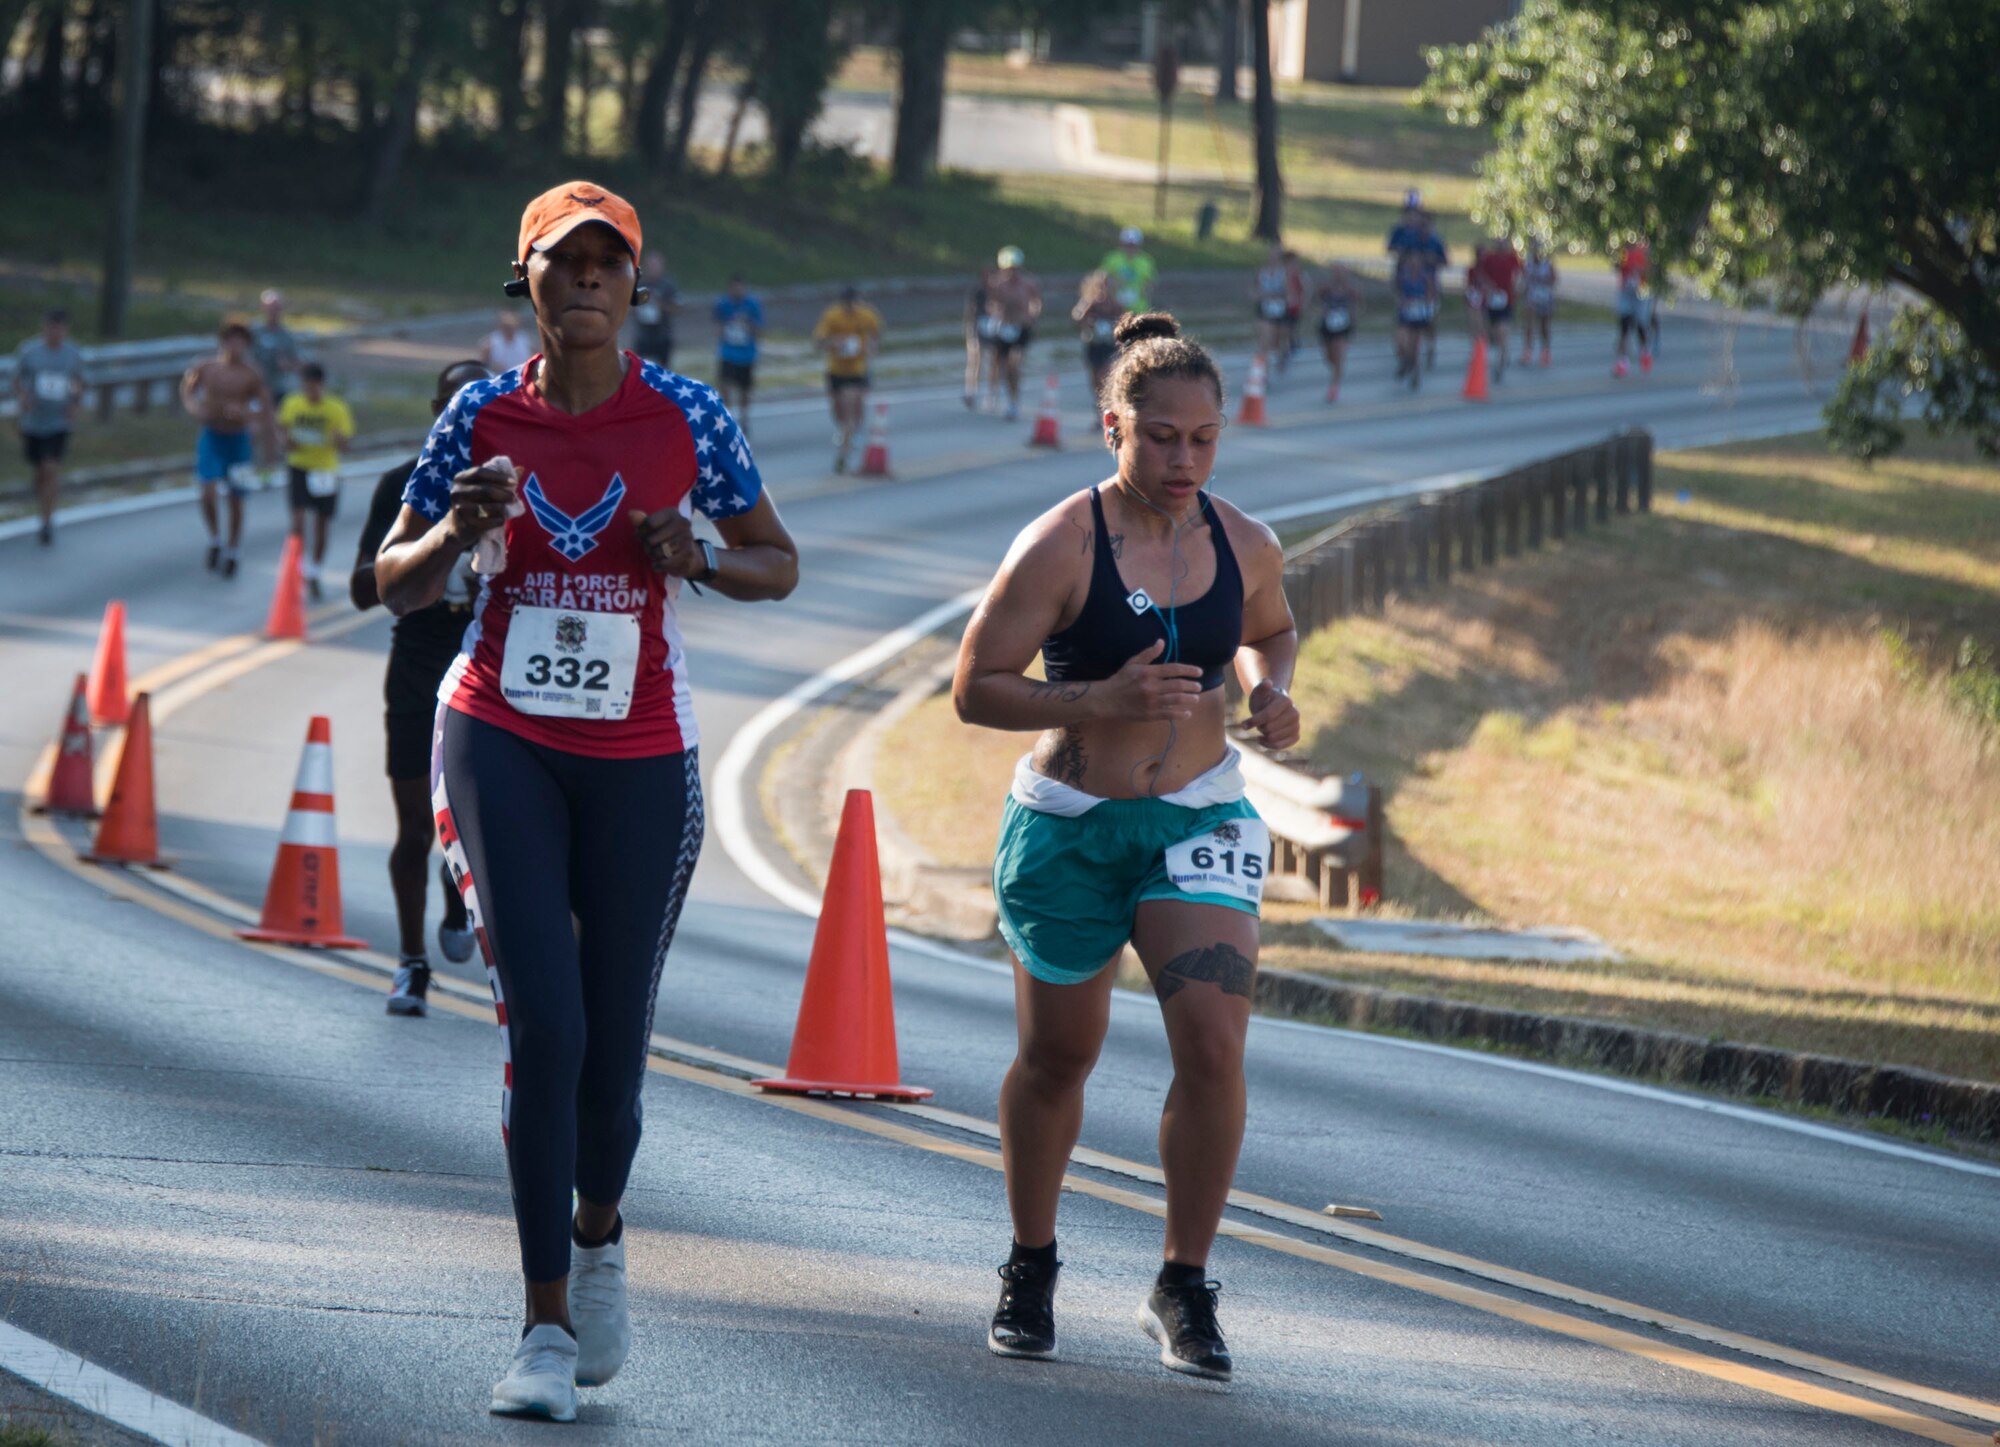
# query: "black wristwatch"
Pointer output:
{"type": "Point", "coordinates": [711, 565]}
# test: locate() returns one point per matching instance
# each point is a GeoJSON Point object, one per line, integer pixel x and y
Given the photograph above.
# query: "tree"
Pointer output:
{"type": "Point", "coordinates": [1270, 185]}
{"type": "Point", "coordinates": [649, 115]}
{"type": "Point", "coordinates": [1228, 49]}
{"type": "Point", "coordinates": [559, 22]}
{"type": "Point", "coordinates": [1773, 148]}
{"type": "Point", "coordinates": [923, 44]}
{"type": "Point", "coordinates": [799, 61]}
{"type": "Point", "coordinates": [707, 30]}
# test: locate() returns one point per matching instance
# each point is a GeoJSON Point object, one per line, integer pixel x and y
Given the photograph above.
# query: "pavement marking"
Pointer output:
{"type": "Point", "coordinates": [107, 1395]}
{"type": "Point", "coordinates": [729, 1074]}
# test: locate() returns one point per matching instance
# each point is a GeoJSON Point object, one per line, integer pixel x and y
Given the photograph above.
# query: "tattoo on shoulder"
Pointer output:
{"type": "Point", "coordinates": [1221, 965]}
{"type": "Point", "coordinates": [1066, 691]}
{"type": "Point", "coordinates": [1088, 539]}
{"type": "Point", "coordinates": [1118, 545]}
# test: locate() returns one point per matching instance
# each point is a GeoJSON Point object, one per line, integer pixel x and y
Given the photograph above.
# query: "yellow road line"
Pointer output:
{"type": "Point", "coordinates": [460, 999]}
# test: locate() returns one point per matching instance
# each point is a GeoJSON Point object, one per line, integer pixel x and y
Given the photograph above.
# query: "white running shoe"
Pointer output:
{"type": "Point", "coordinates": [598, 1310]}
{"type": "Point", "coordinates": [542, 1380]}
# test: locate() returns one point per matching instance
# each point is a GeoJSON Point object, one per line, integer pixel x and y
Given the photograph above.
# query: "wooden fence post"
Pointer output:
{"type": "Point", "coordinates": [1439, 513]}
{"type": "Point", "coordinates": [1399, 551]}
{"type": "Point", "coordinates": [1368, 877]}
{"type": "Point", "coordinates": [1603, 465]}
{"type": "Point", "coordinates": [1465, 522]}
{"type": "Point", "coordinates": [1645, 471]}
{"type": "Point", "coordinates": [1488, 500]}
{"type": "Point", "coordinates": [1533, 486]}
{"type": "Point", "coordinates": [1557, 489]}
{"type": "Point", "coordinates": [1623, 456]}
{"type": "Point", "coordinates": [1510, 513]}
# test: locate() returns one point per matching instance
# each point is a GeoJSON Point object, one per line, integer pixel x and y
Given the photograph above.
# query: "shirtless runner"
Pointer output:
{"type": "Point", "coordinates": [1014, 302]}
{"type": "Point", "coordinates": [227, 396]}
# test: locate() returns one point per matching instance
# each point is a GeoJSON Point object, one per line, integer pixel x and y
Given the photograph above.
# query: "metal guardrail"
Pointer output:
{"type": "Point", "coordinates": [1330, 830]}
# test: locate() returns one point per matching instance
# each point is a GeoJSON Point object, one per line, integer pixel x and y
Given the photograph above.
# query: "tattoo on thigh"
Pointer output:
{"type": "Point", "coordinates": [1222, 965]}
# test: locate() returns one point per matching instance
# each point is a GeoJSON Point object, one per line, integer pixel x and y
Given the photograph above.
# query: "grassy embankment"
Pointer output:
{"type": "Point", "coordinates": [1735, 740]}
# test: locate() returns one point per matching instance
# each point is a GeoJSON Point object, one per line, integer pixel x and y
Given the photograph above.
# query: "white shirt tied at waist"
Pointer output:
{"type": "Point", "coordinates": [1222, 784]}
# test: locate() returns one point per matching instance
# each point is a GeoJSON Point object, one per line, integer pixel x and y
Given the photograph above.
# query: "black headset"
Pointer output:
{"type": "Point", "coordinates": [518, 286]}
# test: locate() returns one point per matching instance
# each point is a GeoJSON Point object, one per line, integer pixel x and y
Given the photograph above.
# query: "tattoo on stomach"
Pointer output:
{"type": "Point", "coordinates": [1063, 758]}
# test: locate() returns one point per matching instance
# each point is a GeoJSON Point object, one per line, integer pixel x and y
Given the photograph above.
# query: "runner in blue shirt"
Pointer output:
{"type": "Point", "coordinates": [739, 321]}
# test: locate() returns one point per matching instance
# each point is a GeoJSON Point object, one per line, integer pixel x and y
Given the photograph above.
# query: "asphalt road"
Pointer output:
{"type": "Point", "coordinates": [235, 1181]}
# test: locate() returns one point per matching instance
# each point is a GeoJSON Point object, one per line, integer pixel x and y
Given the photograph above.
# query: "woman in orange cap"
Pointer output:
{"type": "Point", "coordinates": [564, 772]}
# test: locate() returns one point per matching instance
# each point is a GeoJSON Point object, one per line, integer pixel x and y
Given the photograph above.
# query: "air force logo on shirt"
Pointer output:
{"type": "Point", "coordinates": [574, 536]}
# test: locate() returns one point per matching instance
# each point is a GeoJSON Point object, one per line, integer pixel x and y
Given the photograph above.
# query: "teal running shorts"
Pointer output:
{"type": "Point", "coordinates": [1068, 887]}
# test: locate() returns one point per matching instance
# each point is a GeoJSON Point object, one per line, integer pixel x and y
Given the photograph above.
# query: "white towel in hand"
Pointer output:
{"type": "Point", "coordinates": [489, 554]}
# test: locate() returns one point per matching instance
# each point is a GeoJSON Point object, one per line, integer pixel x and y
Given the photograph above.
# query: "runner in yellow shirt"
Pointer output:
{"type": "Point", "coordinates": [849, 331]}
{"type": "Point", "coordinates": [317, 429]}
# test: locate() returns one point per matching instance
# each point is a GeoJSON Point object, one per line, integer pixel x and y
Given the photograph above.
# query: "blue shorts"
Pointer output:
{"type": "Point", "coordinates": [1068, 887]}
{"type": "Point", "coordinates": [223, 457]}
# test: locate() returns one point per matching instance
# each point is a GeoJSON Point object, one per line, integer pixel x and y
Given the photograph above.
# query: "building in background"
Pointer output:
{"type": "Point", "coordinates": [1372, 42]}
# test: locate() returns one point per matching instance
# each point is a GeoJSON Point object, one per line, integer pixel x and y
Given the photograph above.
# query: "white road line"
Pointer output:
{"type": "Point", "coordinates": [103, 1394]}
{"type": "Point", "coordinates": [736, 790]}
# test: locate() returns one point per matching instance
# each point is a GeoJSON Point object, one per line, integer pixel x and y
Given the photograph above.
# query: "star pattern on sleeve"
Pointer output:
{"type": "Point", "coordinates": [448, 449]}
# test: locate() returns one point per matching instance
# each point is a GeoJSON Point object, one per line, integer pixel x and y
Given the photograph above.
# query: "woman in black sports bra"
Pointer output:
{"type": "Point", "coordinates": [1128, 821]}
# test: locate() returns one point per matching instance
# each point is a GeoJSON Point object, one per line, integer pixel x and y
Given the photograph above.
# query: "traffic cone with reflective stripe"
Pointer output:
{"type": "Point", "coordinates": [287, 618]}
{"type": "Point", "coordinates": [1048, 422]}
{"type": "Point", "coordinates": [302, 903]}
{"type": "Point", "coordinates": [129, 832]}
{"type": "Point", "coordinates": [108, 704]}
{"type": "Point", "coordinates": [875, 457]}
{"type": "Point", "coordinates": [1252, 412]}
{"type": "Point", "coordinates": [1475, 373]}
{"type": "Point", "coordinates": [845, 1041]}
{"type": "Point", "coordinates": [69, 788]}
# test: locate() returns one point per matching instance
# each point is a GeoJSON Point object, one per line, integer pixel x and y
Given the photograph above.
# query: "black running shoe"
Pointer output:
{"type": "Point", "coordinates": [413, 983]}
{"type": "Point", "coordinates": [1182, 1320]}
{"type": "Point", "coordinates": [229, 565]}
{"type": "Point", "coordinates": [314, 591]}
{"type": "Point", "coordinates": [214, 558]}
{"type": "Point", "coordinates": [1024, 1325]}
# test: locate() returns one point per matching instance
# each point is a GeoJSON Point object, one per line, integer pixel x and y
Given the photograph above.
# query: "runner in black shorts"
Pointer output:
{"type": "Point", "coordinates": [420, 650]}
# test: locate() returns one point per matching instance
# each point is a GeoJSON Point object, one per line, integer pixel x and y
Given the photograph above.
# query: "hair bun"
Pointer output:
{"type": "Point", "coordinates": [1138, 327]}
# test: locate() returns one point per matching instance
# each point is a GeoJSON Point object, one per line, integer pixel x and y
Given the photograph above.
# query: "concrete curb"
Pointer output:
{"type": "Point", "coordinates": [1969, 1108]}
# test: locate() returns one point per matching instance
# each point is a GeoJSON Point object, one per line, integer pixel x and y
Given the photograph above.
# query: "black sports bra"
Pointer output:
{"type": "Point", "coordinates": [1117, 622]}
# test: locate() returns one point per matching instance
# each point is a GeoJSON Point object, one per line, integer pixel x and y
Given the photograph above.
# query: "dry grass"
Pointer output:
{"type": "Point", "coordinates": [1686, 733]}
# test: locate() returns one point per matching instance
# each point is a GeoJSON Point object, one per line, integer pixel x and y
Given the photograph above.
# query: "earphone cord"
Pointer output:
{"type": "Point", "coordinates": [1177, 569]}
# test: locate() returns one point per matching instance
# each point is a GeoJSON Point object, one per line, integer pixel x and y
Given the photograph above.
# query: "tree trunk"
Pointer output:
{"type": "Point", "coordinates": [49, 68]}
{"type": "Point", "coordinates": [1270, 186]}
{"type": "Point", "coordinates": [923, 44]}
{"type": "Point", "coordinates": [401, 128]}
{"type": "Point", "coordinates": [744, 88]}
{"type": "Point", "coordinates": [1228, 50]}
{"type": "Point", "coordinates": [649, 117]}
{"type": "Point", "coordinates": [706, 32]}
{"type": "Point", "coordinates": [558, 32]}
{"type": "Point", "coordinates": [509, 26]}
{"type": "Point", "coordinates": [135, 66]}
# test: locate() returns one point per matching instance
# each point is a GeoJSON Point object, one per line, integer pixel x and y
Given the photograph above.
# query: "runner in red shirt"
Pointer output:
{"type": "Point", "coordinates": [1499, 272]}
{"type": "Point", "coordinates": [563, 771]}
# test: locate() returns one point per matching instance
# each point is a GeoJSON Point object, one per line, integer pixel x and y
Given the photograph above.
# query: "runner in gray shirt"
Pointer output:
{"type": "Point", "coordinates": [274, 351]}
{"type": "Point", "coordinates": [48, 384]}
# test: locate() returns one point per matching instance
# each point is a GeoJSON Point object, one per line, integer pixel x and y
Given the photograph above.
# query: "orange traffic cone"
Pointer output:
{"type": "Point", "coordinates": [845, 1041]}
{"type": "Point", "coordinates": [875, 457]}
{"type": "Point", "coordinates": [287, 618]}
{"type": "Point", "coordinates": [1475, 372]}
{"type": "Point", "coordinates": [69, 787]}
{"type": "Point", "coordinates": [129, 833]}
{"type": "Point", "coordinates": [302, 902]}
{"type": "Point", "coordinates": [108, 704]}
{"type": "Point", "coordinates": [1860, 348]}
{"type": "Point", "coordinates": [1048, 423]}
{"type": "Point", "coordinates": [1252, 412]}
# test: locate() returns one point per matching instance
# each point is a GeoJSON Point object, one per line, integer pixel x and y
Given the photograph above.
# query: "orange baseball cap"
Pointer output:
{"type": "Point", "coordinates": [561, 209]}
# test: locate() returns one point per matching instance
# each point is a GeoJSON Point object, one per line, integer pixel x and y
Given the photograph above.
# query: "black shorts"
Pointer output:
{"type": "Point", "coordinates": [655, 346]}
{"type": "Point", "coordinates": [1500, 316]}
{"type": "Point", "coordinates": [839, 384]}
{"type": "Point", "coordinates": [424, 646]}
{"type": "Point", "coordinates": [304, 501]}
{"type": "Point", "coordinates": [1329, 334]}
{"type": "Point", "coordinates": [1019, 344]}
{"type": "Point", "coordinates": [739, 374]}
{"type": "Point", "coordinates": [44, 447]}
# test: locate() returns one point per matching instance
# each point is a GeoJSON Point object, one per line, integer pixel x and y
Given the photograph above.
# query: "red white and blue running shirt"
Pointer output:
{"type": "Point", "coordinates": [661, 441]}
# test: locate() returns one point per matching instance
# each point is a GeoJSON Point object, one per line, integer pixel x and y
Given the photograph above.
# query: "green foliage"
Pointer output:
{"type": "Point", "coordinates": [1766, 149]}
{"type": "Point", "coordinates": [1924, 361]}
{"type": "Point", "coordinates": [1973, 683]}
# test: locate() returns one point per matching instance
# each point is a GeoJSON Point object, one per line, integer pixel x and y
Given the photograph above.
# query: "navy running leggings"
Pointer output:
{"type": "Point", "coordinates": [534, 836]}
